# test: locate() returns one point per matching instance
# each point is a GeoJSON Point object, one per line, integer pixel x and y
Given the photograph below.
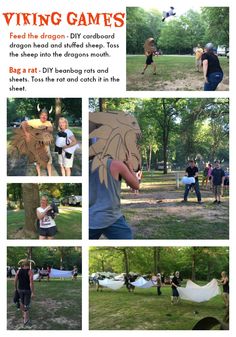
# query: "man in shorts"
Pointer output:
{"type": "Point", "coordinates": [41, 123]}
{"type": "Point", "coordinates": [218, 176]}
{"type": "Point", "coordinates": [24, 284]}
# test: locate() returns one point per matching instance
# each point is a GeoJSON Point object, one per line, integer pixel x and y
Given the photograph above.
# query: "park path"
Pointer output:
{"type": "Point", "coordinates": [160, 204]}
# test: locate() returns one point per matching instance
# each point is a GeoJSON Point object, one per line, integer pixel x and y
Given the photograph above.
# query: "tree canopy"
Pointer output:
{"type": "Point", "coordinates": [179, 35]}
{"type": "Point", "coordinates": [175, 130]}
{"type": "Point", "coordinates": [56, 257]}
{"type": "Point", "coordinates": [19, 108]}
{"type": "Point", "coordinates": [201, 263]}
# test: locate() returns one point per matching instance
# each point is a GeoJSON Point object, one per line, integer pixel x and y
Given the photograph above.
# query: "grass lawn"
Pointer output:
{"type": "Point", "coordinates": [158, 213]}
{"type": "Point", "coordinates": [174, 72]}
{"type": "Point", "coordinates": [56, 306]}
{"type": "Point", "coordinates": [144, 310]}
{"type": "Point", "coordinates": [69, 222]}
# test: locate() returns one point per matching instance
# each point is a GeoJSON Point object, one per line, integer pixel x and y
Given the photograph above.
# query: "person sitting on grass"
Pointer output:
{"type": "Point", "coordinates": [192, 171]}
{"type": "Point", "coordinates": [24, 284]}
{"type": "Point", "coordinates": [150, 50]}
{"type": "Point", "coordinates": [218, 176]}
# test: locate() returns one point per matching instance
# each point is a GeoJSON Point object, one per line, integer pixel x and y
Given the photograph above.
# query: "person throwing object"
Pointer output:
{"type": "Point", "coordinates": [192, 171]}
{"type": "Point", "coordinates": [212, 71]}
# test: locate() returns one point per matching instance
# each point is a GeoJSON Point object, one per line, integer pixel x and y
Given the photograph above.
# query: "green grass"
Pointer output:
{"type": "Point", "coordinates": [157, 212]}
{"type": "Point", "coordinates": [169, 68]}
{"type": "Point", "coordinates": [69, 223]}
{"type": "Point", "coordinates": [56, 306]}
{"type": "Point", "coordinates": [144, 310]}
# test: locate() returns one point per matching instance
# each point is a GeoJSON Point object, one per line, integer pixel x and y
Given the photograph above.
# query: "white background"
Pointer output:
{"type": "Point", "coordinates": [119, 65]}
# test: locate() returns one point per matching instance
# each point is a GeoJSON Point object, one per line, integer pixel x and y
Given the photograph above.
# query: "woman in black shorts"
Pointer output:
{"type": "Point", "coordinates": [47, 225]}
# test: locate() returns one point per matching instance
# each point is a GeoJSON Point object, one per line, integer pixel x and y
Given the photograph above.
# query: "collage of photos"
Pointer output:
{"type": "Point", "coordinates": [157, 175]}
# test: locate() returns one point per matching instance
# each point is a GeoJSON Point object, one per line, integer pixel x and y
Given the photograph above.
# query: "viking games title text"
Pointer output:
{"type": "Point", "coordinates": [72, 18]}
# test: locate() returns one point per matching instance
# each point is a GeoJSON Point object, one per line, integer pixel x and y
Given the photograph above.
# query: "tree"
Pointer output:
{"type": "Point", "coordinates": [217, 21]}
{"type": "Point", "coordinates": [30, 194]}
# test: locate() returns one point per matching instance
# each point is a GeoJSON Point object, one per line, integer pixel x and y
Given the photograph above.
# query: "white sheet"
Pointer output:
{"type": "Point", "coordinates": [188, 180]}
{"type": "Point", "coordinates": [114, 285]}
{"type": "Point", "coordinates": [57, 273]}
{"type": "Point", "coordinates": [35, 277]}
{"type": "Point", "coordinates": [142, 283]}
{"type": "Point", "coordinates": [195, 293]}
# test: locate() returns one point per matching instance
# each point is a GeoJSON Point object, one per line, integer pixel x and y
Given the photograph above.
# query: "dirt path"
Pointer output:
{"type": "Point", "coordinates": [191, 82]}
{"type": "Point", "coordinates": [164, 211]}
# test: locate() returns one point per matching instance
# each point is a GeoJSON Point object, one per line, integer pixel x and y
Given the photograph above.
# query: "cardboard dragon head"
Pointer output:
{"type": "Point", "coordinates": [116, 137]}
{"type": "Point", "coordinates": [35, 149]}
{"type": "Point", "coordinates": [149, 45]}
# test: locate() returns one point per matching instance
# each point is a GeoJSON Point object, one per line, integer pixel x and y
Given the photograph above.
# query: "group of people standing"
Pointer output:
{"type": "Point", "coordinates": [206, 61]}
{"type": "Point", "coordinates": [214, 175]}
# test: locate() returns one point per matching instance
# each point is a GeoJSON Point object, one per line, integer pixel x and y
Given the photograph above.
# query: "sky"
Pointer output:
{"type": "Point", "coordinates": [180, 7]}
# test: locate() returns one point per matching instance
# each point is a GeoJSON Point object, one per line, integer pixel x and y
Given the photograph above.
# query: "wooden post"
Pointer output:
{"type": "Point", "coordinates": [177, 179]}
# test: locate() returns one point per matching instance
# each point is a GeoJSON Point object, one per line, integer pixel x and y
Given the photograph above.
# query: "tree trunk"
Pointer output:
{"type": "Point", "coordinates": [29, 255]}
{"type": "Point", "coordinates": [150, 158]}
{"type": "Point", "coordinates": [208, 269]}
{"type": "Point", "coordinates": [157, 259]}
{"type": "Point", "coordinates": [194, 264]}
{"type": "Point", "coordinates": [126, 261]}
{"type": "Point", "coordinates": [102, 104]}
{"type": "Point", "coordinates": [165, 136]}
{"type": "Point", "coordinates": [30, 194]}
{"type": "Point", "coordinates": [103, 265]}
{"type": "Point", "coordinates": [58, 110]}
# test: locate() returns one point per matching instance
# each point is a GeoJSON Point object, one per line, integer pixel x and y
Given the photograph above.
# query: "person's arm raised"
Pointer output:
{"type": "Point", "coordinates": [118, 168]}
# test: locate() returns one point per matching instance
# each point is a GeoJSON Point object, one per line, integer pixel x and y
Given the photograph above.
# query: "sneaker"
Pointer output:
{"type": "Point", "coordinates": [200, 202]}
{"type": "Point", "coordinates": [215, 202]}
{"type": "Point", "coordinates": [184, 200]}
{"type": "Point", "coordinates": [219, 202]}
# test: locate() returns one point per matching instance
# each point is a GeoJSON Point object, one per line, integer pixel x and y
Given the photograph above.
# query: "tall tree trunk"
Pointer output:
{"type": "Point", "coordinates": [150, 158]}
{"type": "Point", "coordinates": [29, 255]}
{"type": "Point", "coordinates": [194, 264]}
{"type": "Point", "coordinates": [103, 265]}
{"type": "Point", "coordinates": [58, 110]}
{"type": "Point", "coordinates": [126, 261]}
{"type": "Point", "coordinates": [102, 104]}
{"type": "Point", "coordinates": [30, 194]}
{"type": "Point", "coordinates": [165, 135]}
{"type": "Point", "coordinates": [208, 269]}
{"type": "Point", "coordinates": [157, 259]}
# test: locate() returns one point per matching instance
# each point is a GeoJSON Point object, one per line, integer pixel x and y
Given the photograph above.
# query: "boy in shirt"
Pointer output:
{"type": "Point", "coordinates": [218, 176]}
